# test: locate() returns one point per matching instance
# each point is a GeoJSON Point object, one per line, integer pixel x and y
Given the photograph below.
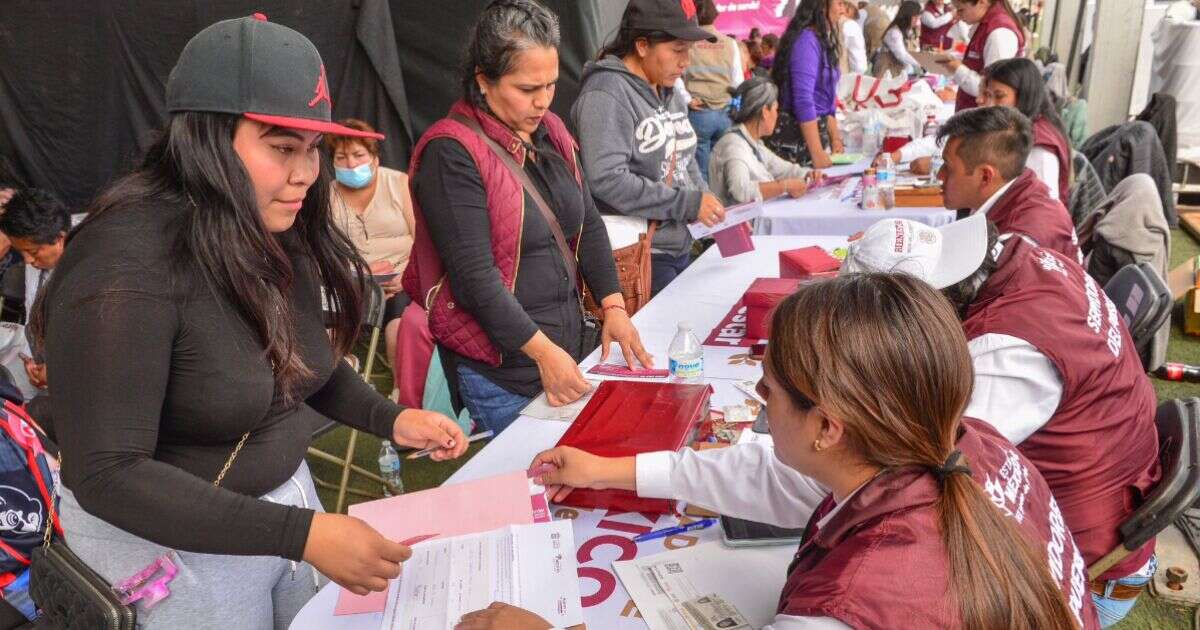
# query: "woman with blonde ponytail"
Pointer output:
{"type": "Point", "coordinates": [915, 516]}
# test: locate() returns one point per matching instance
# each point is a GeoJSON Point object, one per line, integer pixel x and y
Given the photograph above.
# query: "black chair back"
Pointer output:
{"type": "Point", "coordinates": [1178, 424]}
{"type": "Point", "coordinates": [1144, 302]}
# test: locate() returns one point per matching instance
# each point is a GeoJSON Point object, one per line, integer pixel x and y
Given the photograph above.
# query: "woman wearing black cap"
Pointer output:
{"type": "Point", "coordinates": [186, 409]}
{"type": "Point", "coordinates": [743, 169]}
{"type": "Point", "coordinates": [636, 144]}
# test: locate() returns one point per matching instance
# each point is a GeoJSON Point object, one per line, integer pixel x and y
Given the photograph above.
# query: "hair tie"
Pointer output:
{"type": "Point", "coordinates": [735, 103]}
{"type": "Point", "coordinates": [951, 466]}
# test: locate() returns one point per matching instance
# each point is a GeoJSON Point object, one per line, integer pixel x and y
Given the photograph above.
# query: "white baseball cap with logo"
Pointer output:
{"type": "Point", "coordinates": [940, 256]}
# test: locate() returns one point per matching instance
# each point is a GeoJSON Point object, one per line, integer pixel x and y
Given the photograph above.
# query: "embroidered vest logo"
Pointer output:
{"type": "Point", "coordinates": [321, 92]}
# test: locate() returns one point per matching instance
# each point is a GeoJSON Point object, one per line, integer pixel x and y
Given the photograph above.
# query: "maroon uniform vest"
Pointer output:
{"type": "Point", "coordinates": [1052, 140]}
{"type": "Point", "coordinates": [1027, 208]}
{"type": "Point", "coordinates": [937, 37]}
{"type": "Point", "coordinates": [1107, 401]}
{"type": "Point", "coordinates": [996, 17]}
{"type": "Point", "coordinates": [879, 562]}
{"type": "Point", "coordinates": [425, 280]}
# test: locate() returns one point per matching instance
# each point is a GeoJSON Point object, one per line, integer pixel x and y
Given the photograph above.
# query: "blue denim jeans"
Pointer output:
{"type": "Point", "coordinates": [709, 124]}
{"type": "Point", "coordinates": [664, 268]}
{"type": "Point", "coordinates": [1112, 611]}
{"type": "Point", "coordinates": [489, 404]}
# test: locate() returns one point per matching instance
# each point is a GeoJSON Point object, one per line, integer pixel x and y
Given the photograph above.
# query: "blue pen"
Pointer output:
{"type": "Point", "coordinates": [672, 531]}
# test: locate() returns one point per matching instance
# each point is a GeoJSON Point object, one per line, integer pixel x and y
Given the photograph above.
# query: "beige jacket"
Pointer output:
{"type": "Point", "coordinates": [384, 231]}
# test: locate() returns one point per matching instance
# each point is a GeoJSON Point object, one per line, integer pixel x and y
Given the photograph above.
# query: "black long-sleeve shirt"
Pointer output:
{"type": "Point", "coordinates": [450, 192]}
{"type": "Point", "coordinates": [155, 378]}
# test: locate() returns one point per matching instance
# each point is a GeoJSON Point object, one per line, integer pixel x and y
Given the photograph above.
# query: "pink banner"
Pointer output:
{"type": "Point", "coordinates": [739, 16]}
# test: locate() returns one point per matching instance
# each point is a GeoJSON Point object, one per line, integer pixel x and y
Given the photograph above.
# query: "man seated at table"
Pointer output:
{"type": "Point", "coordinates": [1056, 372]}
{"type": "Point", "coordinates": [984, 151]}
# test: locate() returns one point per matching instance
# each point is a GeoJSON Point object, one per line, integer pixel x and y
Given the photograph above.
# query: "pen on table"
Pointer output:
{"type": "Point", "coordinates": [474, 438]}
{"type": "Point", "coordinates": [672, 531]}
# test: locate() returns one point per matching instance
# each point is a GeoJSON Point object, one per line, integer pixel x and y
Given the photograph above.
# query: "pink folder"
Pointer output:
{"type": "Point", "coordinates": [465, 508]}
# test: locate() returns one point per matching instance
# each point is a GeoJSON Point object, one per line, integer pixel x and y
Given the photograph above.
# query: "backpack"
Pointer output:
{"type": "Point", "coordinates": [26, 491]}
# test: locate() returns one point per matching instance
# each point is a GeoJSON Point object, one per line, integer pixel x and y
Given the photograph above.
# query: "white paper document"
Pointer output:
{"type": "Point", "coordinates": [734, 215]}
{"type": "Point", "coordinates": [856, 168]}
{"type": "Point", "coordinates": [530, 566]}
{"type": "Point", "coordinates": [748, 578]}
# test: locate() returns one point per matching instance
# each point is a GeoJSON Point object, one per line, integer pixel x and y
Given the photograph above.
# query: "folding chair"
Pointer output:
{"type": "Point", "coordinates": [1144, 302]}
{"type": "Point", "coordinates": [374, 320]}
{"type": "Point", "coordinates": [1179, 453]}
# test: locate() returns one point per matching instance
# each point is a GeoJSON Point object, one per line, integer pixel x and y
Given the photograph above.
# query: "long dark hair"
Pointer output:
{"type": "Point", "coordinates": [904, 17]}
{"type": "Point", "coordinates": [886, 354]}
{"type": "Point", "coordinates": [193, 164]}
{"type": "Point", "coordinates": [1004, 4]}
{"type": "Point", "coordinates": [1033, 99]}
{"type": "Point", "coordinates": [813, 14]}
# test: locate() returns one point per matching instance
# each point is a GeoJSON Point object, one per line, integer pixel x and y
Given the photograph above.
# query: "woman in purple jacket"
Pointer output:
{"type": "Point", "coordinates": [806, 71]}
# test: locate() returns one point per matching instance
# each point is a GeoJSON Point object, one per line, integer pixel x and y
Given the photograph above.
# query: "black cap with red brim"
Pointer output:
{"type": "Point", "coordinates": [676, 18]}
{"type": "Point", "coordinates": [264, 71]}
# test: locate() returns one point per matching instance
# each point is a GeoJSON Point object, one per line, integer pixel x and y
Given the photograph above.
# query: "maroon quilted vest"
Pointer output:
{"type": "Point", "coordinates": [879, 562]}
{"type": "Point", "coordinates": [996, 17]}
{"type": "Point", "coordinates": [1107, 401]}
{"type": "Point", "coordinates": [1052, 140]}
{"type": "Point", "coordinates": [1027, 208]}
{"type": "Point", "coordinates": [425, 280]}
{"type": "Point", "coordinates": [937, 37]}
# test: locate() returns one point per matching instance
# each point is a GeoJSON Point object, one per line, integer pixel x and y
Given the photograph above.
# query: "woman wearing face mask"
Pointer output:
{"type": "Point", "coordinates": [898, 40]}
{"type": "Point", "coordinates": [636, 144]}
{"type": "Point", "coordinates": [916, 517]}
{"type": "Point", "coordinates": [806, 71]}
{"type": "Point", "coordinates": [185, 412]}
{"type": "Point", "coordinates": [372, 205]}
{"type": "Point", "coordinates": [1017, 83]}
{"type": "Point", "coordinates": [997, 35]}
{"type": "Point", "coordinates": [743, 169]}
{"type": "Point", "coordinates": [502, 297]}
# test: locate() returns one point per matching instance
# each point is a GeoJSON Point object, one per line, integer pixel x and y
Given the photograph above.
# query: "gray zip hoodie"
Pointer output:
{"type": "Point", "coordinates": [627, 134]}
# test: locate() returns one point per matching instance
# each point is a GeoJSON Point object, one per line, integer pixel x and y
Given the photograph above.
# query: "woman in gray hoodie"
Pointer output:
{"type": "Point", "coordinates": [636, 144]}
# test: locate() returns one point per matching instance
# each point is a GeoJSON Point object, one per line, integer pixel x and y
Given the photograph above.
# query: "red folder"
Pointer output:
{"type": "Point", "coordinates": [625, 418]}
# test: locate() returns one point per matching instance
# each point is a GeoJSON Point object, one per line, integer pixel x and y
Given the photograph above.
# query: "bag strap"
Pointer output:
{"type": "Point", "coordinates": [538, 200]}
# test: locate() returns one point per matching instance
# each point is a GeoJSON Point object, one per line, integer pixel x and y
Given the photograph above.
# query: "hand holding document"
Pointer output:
{"type": "Point", "coordinates": [529, 566]}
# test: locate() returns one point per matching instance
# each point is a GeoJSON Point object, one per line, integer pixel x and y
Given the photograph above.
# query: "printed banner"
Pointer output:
{"type": "Point", "coordinates": [739, 16]}
{"type": "Point", "coordinates": [731, 332]}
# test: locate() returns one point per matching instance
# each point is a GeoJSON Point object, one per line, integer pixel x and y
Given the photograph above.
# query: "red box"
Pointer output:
{"type": "Point", "coordinates": [625, 418]}
{"type": "Point", "coordinates": [807, 263]}
{"type": "Point", "coordinates": [760, 299]}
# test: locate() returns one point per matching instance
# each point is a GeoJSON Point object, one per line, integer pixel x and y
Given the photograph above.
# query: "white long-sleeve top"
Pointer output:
{"type": "Point", "coordinates": [1002, 43]}
{"type": "Point", "coordinates": [766, 490]}
{"type": "Point", "coordinates": [929, 20]}
{"type": "Point", "coordinates": [893, 39]}
{"type": "Point", "coordinates": [856, 46]}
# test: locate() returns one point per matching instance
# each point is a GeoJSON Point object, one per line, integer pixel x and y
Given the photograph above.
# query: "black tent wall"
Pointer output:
{"type": "Point", "coordinates": [82, 82]}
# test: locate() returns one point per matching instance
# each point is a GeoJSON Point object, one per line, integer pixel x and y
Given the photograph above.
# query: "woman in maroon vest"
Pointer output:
{"type": "Point", "coordinates": [501, 292]}
{"type": "Point", "coordinates": [998, 35]}
{"type": "Point", "coordinates": [916, 517]}
{"type": "Point", "coordinates": [1018, 83]}
{"type": "Point", "coordinates": [936, 21]}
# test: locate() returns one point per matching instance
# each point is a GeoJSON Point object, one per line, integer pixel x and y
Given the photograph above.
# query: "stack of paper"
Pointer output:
{"type": "Point", "coordinates": [661, 584]}
{"type": "Point", "coordinates": [465, 508]}
{"type": "Point", "coordinates": [530, 566]}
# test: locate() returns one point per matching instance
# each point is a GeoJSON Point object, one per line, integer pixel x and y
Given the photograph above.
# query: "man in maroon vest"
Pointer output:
{"type": "Point", "coordinates": [1055, 372]}
{"type": "Point", "coordinates": [985, 150]}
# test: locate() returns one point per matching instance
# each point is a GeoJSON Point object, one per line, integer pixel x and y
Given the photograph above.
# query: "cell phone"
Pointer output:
{"type": "Point", "coordinates": [738, 532]}
{"type": "Point", "coordinates": [383, 278]}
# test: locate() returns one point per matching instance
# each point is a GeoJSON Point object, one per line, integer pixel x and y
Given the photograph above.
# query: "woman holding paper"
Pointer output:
{"type": "Point", "coordinates": [507, 231]}
{"type": "Point", "coordinates": [743, 169]}
{"type": "Point", "coordinates": [915, 516]}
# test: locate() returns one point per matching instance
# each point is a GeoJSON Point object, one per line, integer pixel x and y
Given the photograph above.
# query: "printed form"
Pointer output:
{"type": "Point", "coordinates": [531, 566]}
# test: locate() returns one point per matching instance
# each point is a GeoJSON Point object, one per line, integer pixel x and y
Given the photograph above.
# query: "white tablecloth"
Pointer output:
{"type": "Point", "coordinates": [822, 213]}
{"type": "Point", "coordinates": [703, 294]}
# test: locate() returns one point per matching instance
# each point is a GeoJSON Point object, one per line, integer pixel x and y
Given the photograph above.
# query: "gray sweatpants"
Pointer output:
{"type": "Point", "coordinates": [210, 591]}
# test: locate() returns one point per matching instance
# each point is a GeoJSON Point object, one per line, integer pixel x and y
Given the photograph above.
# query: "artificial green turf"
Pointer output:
{"type": "Point", "coordinates": [425, 473]}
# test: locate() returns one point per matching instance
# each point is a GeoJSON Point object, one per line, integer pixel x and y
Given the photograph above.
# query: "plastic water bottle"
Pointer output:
{"type": "Point", "coordinates": [872, 140]}
{"type": "Point", "coordinates": [870, 191]}
{"type": "Point", "coordinates": [685, 356]}
{"type": "Point", "coordinates": [930, 130]}
{"type": "Point", "coordinates": [389, 469]}
{"type": "Point", "coordinates": [885, 179]}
